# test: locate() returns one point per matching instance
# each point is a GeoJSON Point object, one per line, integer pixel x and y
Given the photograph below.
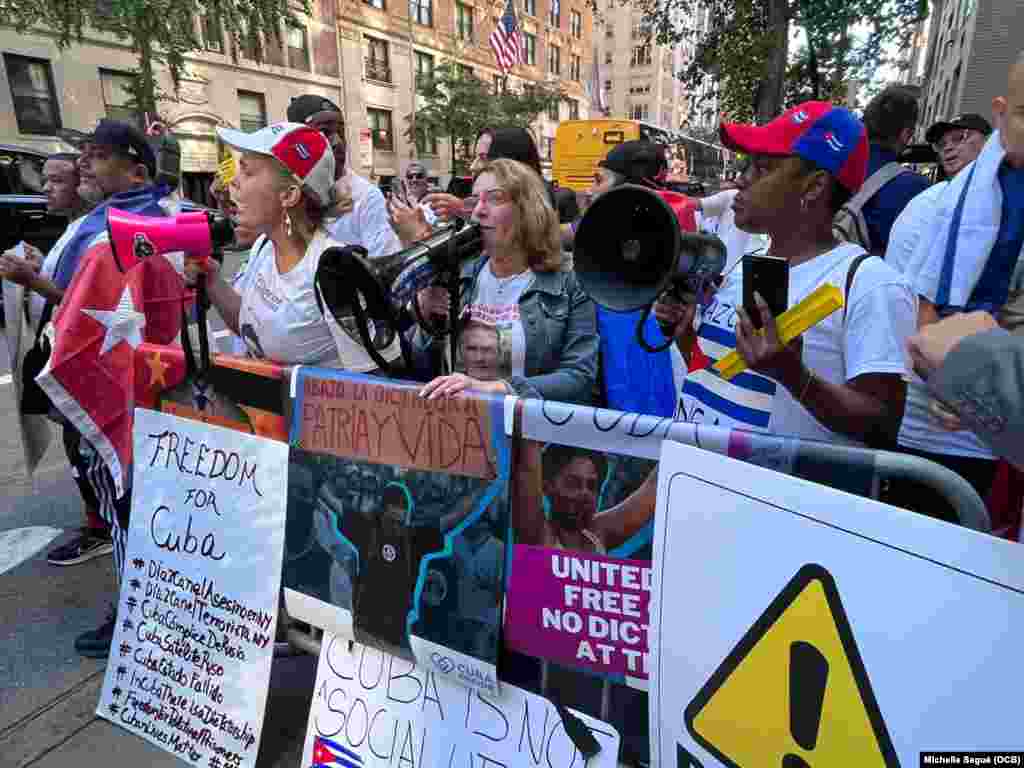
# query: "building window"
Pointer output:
{"type": "Point", "coordinates": [608, 31]}
{"type": "Point", "coordinates": [464, 21]}
{"type": "Point", "coordinates": [424, 69]}
{"type": "Point", "coordinates": [252, 111]}
{"type": "Point", "coordinates": [555, 13]}
{"type": "Point", "coordinates": [251, 47]}
{"type": "Point", "coordinates": [574, 68]}
{"type": "Point", "coordinates": [607, 85]}
{"type": "Point", "coordinates": [608, 57]}
{"type": "Point", "coordinates": [530, 7]}
{"type": "Point", "coordinates": [380, 129]}
{"type": "Point", "coordinates": [553, 111]}
{"type": "Point", "coordinates": [554, 60]}
{"type": "Point", "coordinates": [574, 109]}
{"type": "Point", "coordinates": [497, 81]}
{"type": "Point", "coordinates": [117, 96]}
{"type": "Point", "coordinates": [213, 37]}
{"type": "Point", "coordinates": [640, 111]}
{"type": "Point", "coordinates": [549, 148]}
{"type": "Point", "coordinates": [530, 48]}
{"type": "Point", "coordinates": [422, 12]}
{"type": "Point", "coordinates": [576, 24]}
{"type": "Point", "coordinates": [298, 51]}
{"type": "Point", "coordinates": [378, 4]}
{"type": "Point", "coordinates": [377, 65]}
{"type": "Point", "coordinates": [426, 143]}
{"type": "Point", "coordinates": [641, 56]}
{"type": "Point", "coordinates": [35, 101]}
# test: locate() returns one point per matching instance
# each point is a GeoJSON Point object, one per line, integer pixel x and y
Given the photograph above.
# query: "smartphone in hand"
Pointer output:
{"type": "Point", "coordinates": [399, 190]}
{"type": "Point", "coordinates": [768, 276]}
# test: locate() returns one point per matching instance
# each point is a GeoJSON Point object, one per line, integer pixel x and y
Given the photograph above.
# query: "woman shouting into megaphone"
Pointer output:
{"type": "Point", "coordinates": [540, 323]}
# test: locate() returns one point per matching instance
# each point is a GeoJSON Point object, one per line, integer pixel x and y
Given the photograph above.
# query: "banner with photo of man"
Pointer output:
{"type": "Point", "coordinates": [398, 520]}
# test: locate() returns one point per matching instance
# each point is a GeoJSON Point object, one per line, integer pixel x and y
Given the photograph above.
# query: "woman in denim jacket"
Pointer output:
{"type": "Point", "coordinates": [526, 326]}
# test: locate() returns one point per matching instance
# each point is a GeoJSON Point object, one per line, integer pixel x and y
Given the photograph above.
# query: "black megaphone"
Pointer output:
{"type": "Point", "coordinates": [630, 250]}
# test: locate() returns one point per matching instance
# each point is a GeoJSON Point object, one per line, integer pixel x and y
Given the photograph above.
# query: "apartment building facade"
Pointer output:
{"type": "Point", "coordinates": [364, 56]}
{"type": "Point", "coordinates": [970, 47]}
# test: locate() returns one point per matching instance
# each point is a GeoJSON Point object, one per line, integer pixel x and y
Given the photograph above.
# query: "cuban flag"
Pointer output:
{"type": "Point", "coordinates": [330, 754]}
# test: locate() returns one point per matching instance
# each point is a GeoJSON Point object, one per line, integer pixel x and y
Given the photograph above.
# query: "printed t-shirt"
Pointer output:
{"type": "Point", "coordinates": [492, 344]}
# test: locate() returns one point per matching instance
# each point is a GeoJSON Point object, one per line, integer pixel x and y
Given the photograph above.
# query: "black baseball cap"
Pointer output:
{"type": "Point", "coordinates": [127, 139]}
{"type": "Point", "coordinates": [637, 160]}
{"type": "Point", "coordinates": [304, 108]}
{"type": "Point", "coordinates": [970, 121]}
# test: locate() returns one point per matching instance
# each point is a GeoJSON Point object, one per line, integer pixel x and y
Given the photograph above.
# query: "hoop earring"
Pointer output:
{"type": "Point", "coordinates": [287, 224]}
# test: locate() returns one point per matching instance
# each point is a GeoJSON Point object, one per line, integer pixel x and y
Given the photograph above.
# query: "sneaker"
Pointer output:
{"type": "Point", "coordinates": [88, 544]}
{"type": "Point", "coordinates": [96, 643]}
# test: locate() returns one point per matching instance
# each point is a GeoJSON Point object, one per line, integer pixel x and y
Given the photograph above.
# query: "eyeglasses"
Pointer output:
{"type": "Point", "coordinates": [416, 176]}
{"type": "Point", "coordinates": [496, 196]}
{"type": "Point", "coordinates": [951, 139]}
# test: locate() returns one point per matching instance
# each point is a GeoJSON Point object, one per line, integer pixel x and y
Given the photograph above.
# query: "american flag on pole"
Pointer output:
{"type": "Point", "coordinates": [505, 40]}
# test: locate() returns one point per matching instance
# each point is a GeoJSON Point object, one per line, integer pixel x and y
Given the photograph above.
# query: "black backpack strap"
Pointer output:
{"type": "Point", "coordinates": [850, 274]}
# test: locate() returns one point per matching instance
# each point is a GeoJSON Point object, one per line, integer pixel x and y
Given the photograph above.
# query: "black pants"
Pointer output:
{"type": "Point", "coordinates": [917, 497]}
{"type": "Point", "coordinates": [79, 466]}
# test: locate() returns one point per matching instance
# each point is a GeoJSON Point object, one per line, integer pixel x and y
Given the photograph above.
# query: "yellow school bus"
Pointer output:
{"type": "Point", "coordinates": [581, 144]}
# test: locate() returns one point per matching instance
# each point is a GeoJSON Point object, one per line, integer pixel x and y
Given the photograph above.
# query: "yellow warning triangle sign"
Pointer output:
{"type": "Point", "coordinates": [794, 692]}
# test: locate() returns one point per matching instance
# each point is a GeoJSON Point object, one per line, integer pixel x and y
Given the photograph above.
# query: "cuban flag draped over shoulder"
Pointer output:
{"type": "Point", "coordinates": [106, 313]}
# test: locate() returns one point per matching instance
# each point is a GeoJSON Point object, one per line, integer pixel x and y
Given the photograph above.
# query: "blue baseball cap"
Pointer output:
{"type": "Point", "coordinates": [831, 137]}
{"type": "Point", "coordinates": [126, 139]}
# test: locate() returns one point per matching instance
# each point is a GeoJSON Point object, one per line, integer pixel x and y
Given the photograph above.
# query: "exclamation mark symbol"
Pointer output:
{"type": "Point", "coordinates": [808, 674]}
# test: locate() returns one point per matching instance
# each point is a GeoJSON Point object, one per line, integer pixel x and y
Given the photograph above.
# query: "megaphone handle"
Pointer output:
{"type": "Point", "coordinates": [670, 333]}
{"type": "Point", "coordinates": [202, 306]}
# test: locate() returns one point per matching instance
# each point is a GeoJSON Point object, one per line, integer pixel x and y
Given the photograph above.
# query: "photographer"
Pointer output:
{"type": "Point", "coordinates": [284, 190]}
{"type": "Point", "coordinates": [844, 380]}
{"type": "Point", "coordinates": [547, 339]}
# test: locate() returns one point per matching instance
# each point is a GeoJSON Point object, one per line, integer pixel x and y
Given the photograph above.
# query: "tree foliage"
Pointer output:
{"type": "Point", "coordinates": [161, 32]}
{"type": "Point", "coordinates": [744, 50]}
{"type": "Point", "coordinates": [457, 105]}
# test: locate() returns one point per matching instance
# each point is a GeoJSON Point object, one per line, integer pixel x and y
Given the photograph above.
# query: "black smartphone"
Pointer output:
{"type": "Point", "coordinates": [768, 276]}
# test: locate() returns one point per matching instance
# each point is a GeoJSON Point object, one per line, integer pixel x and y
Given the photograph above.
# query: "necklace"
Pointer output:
{"type": "Point", "coordinates": [502, 282]}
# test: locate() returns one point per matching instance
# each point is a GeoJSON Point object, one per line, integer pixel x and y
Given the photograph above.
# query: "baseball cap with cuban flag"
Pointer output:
{"type": "Point", "coordinates": [302, 150]}
{"type": "Point", "coordinates": [831, 137]}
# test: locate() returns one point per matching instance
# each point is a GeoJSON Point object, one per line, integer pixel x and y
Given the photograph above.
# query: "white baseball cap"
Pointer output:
{"type": "Point", "coordinates": [302, 150]}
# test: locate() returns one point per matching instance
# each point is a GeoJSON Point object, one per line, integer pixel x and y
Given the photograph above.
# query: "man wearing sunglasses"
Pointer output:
{"type": "Point", "coordinates": [366, 223]}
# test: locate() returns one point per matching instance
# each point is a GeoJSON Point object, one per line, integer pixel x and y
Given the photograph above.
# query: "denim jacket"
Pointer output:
{"type": "Point", "coordinates": [560, 326]}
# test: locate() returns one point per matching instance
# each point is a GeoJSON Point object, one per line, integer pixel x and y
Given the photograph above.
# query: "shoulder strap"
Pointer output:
{"type": "Point", "coordinates": [850, 274]}
{"type": "Point", "coordinates": [949, 257]}
{"type": "Point", "coordinates": [873, 183]}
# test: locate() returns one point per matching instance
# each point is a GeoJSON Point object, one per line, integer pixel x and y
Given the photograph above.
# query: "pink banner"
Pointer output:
{"type": "Point", "coordinates": [579, 610]}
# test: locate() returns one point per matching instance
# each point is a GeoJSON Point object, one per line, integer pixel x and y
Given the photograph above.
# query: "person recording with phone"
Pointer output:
{"type": "Point", "coordinates": [545, 324]}
{"type": "Point", "coordinates": [844, 380]}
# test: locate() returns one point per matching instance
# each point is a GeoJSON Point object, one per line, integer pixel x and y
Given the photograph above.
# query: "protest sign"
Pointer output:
{"type": "Point", "coordinates": [794, 624]}
{"type": "Point", "coordinates": [190, 659]}
{"type": "Point", "coordinates": [398, 519]}
{"type": "Point", "coordinates": [372, 710]}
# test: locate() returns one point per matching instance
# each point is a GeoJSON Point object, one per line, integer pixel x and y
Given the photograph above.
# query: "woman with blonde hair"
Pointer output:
{"type": "Point", "coordinates": [517, 286]}
{"type": "Point", "coordinates": [284, 191]}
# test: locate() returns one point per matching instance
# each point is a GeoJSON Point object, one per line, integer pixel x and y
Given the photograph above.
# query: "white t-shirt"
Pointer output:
{"type": "Point", "coordinates": [279, 318]}
{"type": "Point", "coordinates": [716, 217]}
{"type": "Point", "coordinates": [494, 346]}
{"type": "Point", "coordinates": [367, 223]}
{"type": "Point", "coordinates": [919, 429]}
{"type": "Point", "coordinates": [36, 302]}
{"type": "Point", "coordinates": [880, 317]}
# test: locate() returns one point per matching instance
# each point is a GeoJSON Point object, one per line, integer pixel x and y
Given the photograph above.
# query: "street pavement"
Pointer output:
{"type": "Point", "coordinates": [48, 693]}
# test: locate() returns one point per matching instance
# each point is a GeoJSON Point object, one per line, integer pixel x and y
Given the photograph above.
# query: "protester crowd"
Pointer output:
{"type": "Point", "coordinates": [921, 266]}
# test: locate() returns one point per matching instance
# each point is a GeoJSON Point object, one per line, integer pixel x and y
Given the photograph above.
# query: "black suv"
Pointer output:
{"type": "Point", "coordinates": [23, 213]}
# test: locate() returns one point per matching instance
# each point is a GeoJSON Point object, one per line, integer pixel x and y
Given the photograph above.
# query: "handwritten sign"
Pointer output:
{"type": "Point", "coordinates": [194, 638]}
{"type": "Point", "coordinates": [583, 610]}
{"type": "Point", "coordinates": [359, 417]}
{"type": "Point", "coordinates": [371, 709]}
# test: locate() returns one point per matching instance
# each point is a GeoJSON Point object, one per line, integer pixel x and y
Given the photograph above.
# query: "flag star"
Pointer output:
{"type": "Point", "coordinates": [123, 323]}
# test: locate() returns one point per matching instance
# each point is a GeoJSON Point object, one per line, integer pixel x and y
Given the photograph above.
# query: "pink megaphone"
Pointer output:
{"type": "Point", "coordinates": [134, 237]}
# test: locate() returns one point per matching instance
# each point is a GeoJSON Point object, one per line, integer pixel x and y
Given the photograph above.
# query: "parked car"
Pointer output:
{"type": "Point", "coordinates": [23, 213]}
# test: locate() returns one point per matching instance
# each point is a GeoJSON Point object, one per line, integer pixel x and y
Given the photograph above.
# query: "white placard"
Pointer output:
{"type": "Point", "coordinates": [190, 661]}
{"type": "Point", "coordinates": [799, 625]}
{"type": "Point", "coordinates": [372, 710]}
